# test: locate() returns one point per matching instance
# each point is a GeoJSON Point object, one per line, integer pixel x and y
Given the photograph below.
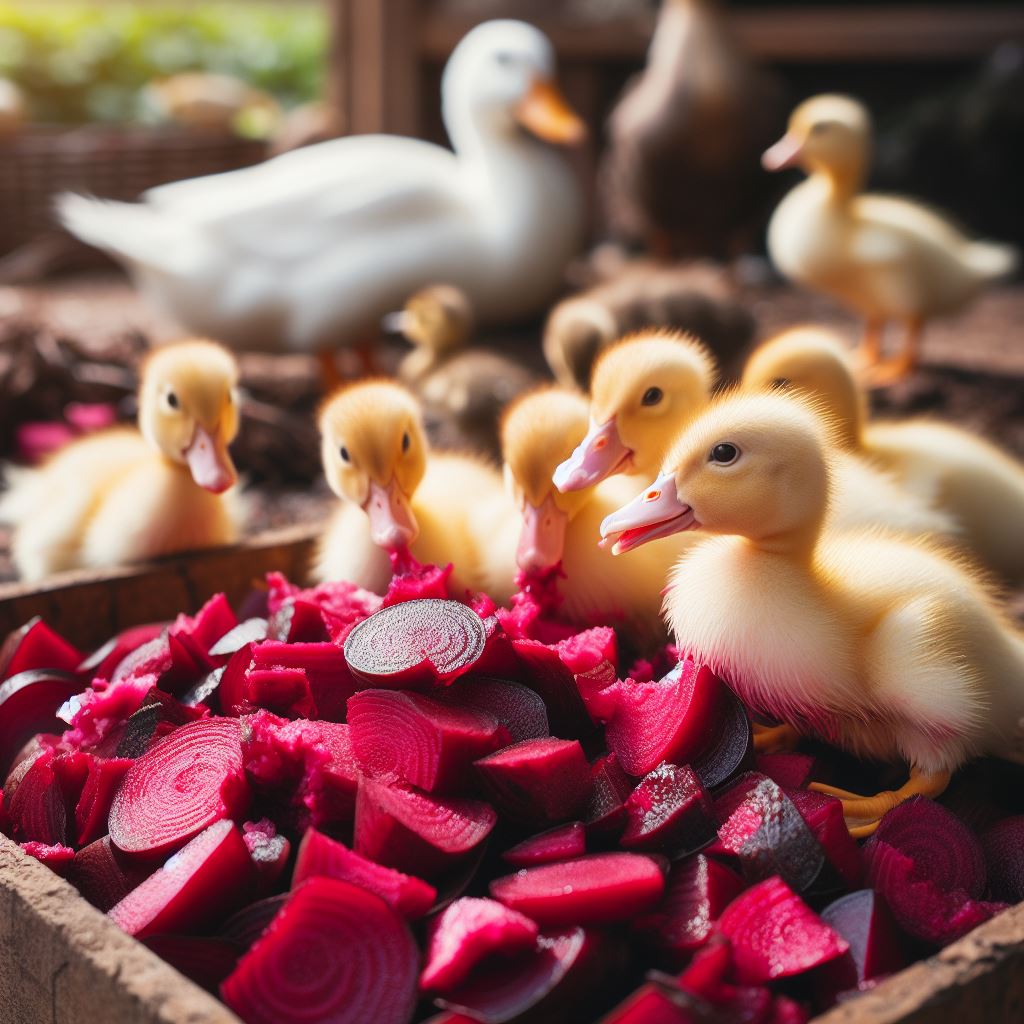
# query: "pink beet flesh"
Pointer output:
{"type": "Point", "coordinates": [1003, 846]}
{"type": "Point", "coordinates": [104, 875]}
{"type": "Point", "coordinates": [559, 843]}
{"type": "Point", "coordinates": [323, 665]}
{"type": "Point", "coordinates": [596, 889]}
{"type": "Point", "coordinates": [91, 813]}
{"type": "Point", "coordinates": [335, 952]}
{"type": "Point", "coordinates": [648, 1005]}
{"type": "Point", "coordinates": [610, 788]}
{"type": "Point", "coordinates": [37, 647]}
{"type": "Point", "coordinates": [668, 812]}
{"type": "Point", "coordinates": [29, 702]}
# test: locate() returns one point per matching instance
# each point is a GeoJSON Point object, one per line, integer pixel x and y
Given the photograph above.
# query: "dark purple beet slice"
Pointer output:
{"type": "Point", "coordinates": [104, 660]}
{"type": "Point", "coordinates": [731, 749]}
{"type": "Point", "coordinates": [517, 707]}
{"type": "Point", "coordinates": [790, 770]}
{"type": "Point", "coordinates": [774, 934]}
{"type": "Point", "coordinates": [543, 671]}
{"type": "Point", "coordinates": [150, 659]}
{"type": "Point", "coordinates": [668, 812]}
{"type": "Point", "coordinates": [413, 738]}
{"type": "Point", "coordinates": [864, 921]}
{"type": "Point", "coordinates": [334, 953]}
{"type": "Point", "coordinates": [186, 782]}
{"type": "Point", "coordinates": [605, 813]}
{"type": "Point", "coordinates": [268, 850]}
{"type": "Point", "coordinates": [251, 631]}
{"type": "Point", "coordinates": [415, 644]}
{"type": "Point", "coordinates": [824, 817]}
{"type": "Point", "coordinates": [36, 806]}
{"type": "Point", "coordinates": [206, 961]}
{"type": "Point", "coordinates": [321, 857]}
{"type": "Point", "coordinates": [330, 681]}
{"type": "Point", "coordinates": [469, 931]}
{"type": "Point", "coordinates": [57, 858]}
{"type": "Point", "coordinates": [91, 812]}
{"type": "Point", "coordinates": [36, 647]}
{"type": "Point", "coordinates": [158, 716]}
{"type": "Point", "coordinates": [1003, 846]}
{"type": "Point", "coordinates": [29, 703]}
{"type": "Point", "coordinates": [596, 889]}
{"type": "Point", "coordinates": [245, 926]}
{"type": "Point", "coordinates": [104, 875]}
{"type": "Point", "coordinates": [558, 843]}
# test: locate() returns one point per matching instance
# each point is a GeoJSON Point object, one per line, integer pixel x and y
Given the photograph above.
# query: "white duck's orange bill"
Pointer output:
{"type": "Point", "coordinates": [655, 513]}
{"type": "Point", "coordinates": [392, 523]}
{"type": "Point", "coordinates": [544, 112]}
{"type": "Point", "coordinates": [541, 537]}
{"type": "Point", "coordinates": [599, 455]}
{"type": "Point", "coordinates": [209, 462]}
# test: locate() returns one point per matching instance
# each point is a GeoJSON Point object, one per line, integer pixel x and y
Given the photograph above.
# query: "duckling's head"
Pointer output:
{"type": "Point", "coordinates": [752, 465]}
{"type": "Point", "coordinates": [643, 390]}
{"type": "Point", "coordinates": [501, 77]}
{"type": "Point", "coordinates": [813, 361]}
{"type": "Point", "coordinates": [374, 453]}
{"type": "Point", "coordinates": [829, 134]}
{"type": "Point", "coordinates": [438, 317]}
{"type": "Point", "coordinates": [537, 432]}
{"type": "Point", "coordinates": [188, 408]}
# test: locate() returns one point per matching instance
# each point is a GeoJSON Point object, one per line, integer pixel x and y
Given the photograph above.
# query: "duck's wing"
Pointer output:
{"type": "Point", "coordinates": [890, 227]}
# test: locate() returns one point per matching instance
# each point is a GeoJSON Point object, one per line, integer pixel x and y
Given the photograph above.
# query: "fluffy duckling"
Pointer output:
{"type": "Point", "coordinates": [887, 258]}
{"type": "Point", "coordinates": [396, 494]}
{"type": "Point", "coordinates": [123, 495]}
{"type": "Point", "coordinates": [978, 487]}
{"type": "Point", "coordinates": [878, 645]}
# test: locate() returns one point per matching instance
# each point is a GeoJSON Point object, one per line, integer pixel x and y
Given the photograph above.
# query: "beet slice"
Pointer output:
{"type": "Point", "coordinates": [544, 672]}
{"type": "Point", "coordinates": [102, 662]}
{"type": "Point", "coordinates": [321, 857]}
{"type": "Point", "coordinates": [468, 931]}
{"type": "Point", "coordinates": [36, 647]}
{"type": "Point", "coordinates": [297, 621]}
{"type": "Point", "coordinates": [1003, 847]}
{"type": "Point", "coordinates": [789, 770]}
{"type": "Point", "coordinates": [97, 716]}
{"type": "Point", "coordinates": [605, 814]}
{"type": "Point", "coordinates": [412, 738]}
{"type": "Point", "coordinates": [93, 808]}
{"type": "Point", "coordinates": [824, 817]}
{"type": "Point", "coordinates": [864, 921]}
{"type": "Point", "coordinates": [334, 953]}
{"type": "Point", "coordinates": [668, 812]}
{"type": "Point", "coordinates": [104, 875]}
{"type": "Point", "coordinates": [36, 806]}
{"type": "Point", "coordinates": [648, 1005]}
{"type": "Point", "coordinates": [285, 691]}
{"type": "Point", "coordinates": [245, 926]}
{"type": "Point", "coordinates": [415, 644]}
{"type": "Point", "coordinates": [598, 888]}
{"type": "Point", "coordinates": [251, 631]}
{"type": "Point", "coordinates": [558, 843]}
{"type": "Point", "coordinates": [186, 782]}
{"type": "Point", "coordinates": [29, 702]}
{"type": "Point", "coordinates": [774, 934]}
{"type": "Point", "coordinates": [158, 716]}
{"type": "Point", "coordinates": [341, 603]}
{"type": "Point", "coordinates": [515, 706]}
{"type": "Point", "coordinates": [415, 832]}
{"type": "Point", "coordinates": [57, 858]}
{"type": "Point", "coordinates": [731, 749]}
{"type": "Point", "coordinates": [206, 961]}
{"type": "Point", "coordinates": [330, 680]}
{"type": "Point", "coordinates": [268, 850]}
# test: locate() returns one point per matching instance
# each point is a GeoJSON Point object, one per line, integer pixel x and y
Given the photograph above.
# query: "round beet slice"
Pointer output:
{"type": "Point", "coordinates": [182, 785]}
{"type": "Point", "coordinates": [29, 703]}
{"type": "Point", "coordinates": [416, 644]}
{"type": "Point", "coordinates": [334, 953]}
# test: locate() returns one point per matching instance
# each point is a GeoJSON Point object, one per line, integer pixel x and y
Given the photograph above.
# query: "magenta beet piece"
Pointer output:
{"type": "Point", "coordinates": [543, 671]}
{"type": "Point", "coordinates": [790, 771]}
{"type": "Point", "coordinates": [93, 808]}
{"type": "Point", "coordinates": [104, 875]}
{"type": "Point", "coordinates": [251, 631]}
{"type": "Point", "coordinates": [731, 749]}
{"type": "Point", "coordinates": [321, 857]}
{"type": "Point", "coordinates": [200, 632]}
{"type": "Point", "coordinates": [787, 1011]}
{"type": "Point", "coordinates": [341, 603]}
{"type": "Point", "coordinates": [268, 850]}
{"type": "Point", "coordinates": [206, 961]}
{"type": "Point", "coordinates": [415, 644]}
{"type": "Point", "coordinates": [210, 876]}
{"type": "Point", "coordinates": [415, 832]}
{"type": "Point", "coordinates": [774, 934]}
{"type": "Point", "coordinates": [558, 843]}
{"type": "Point", "coordinates": [708, 969]}
{"type": "Point", "coordinates": [698, 890]}
{"type": "Point", "coordinates": [57, 858]}
{"type": "Point", "coordinates": [36, 806]}
{"type": "Point", "coordinates": [584, 651]}
{"type": "Point", "coordinates": [36, 647]}
{"type": "Point", "coordinates": [158, 716]}
{"type": "Point", "coordinates": [668, 812]}
{"type": "Point", "coordinates": [596, 889]}
{"type": "Point", "coordinates": [605, 813]}
{"type": "Point", "coordinates": [467, 932]}
{"type": "Point", "coordinates": [515, 706]}
{"type": "Point", "coordinates": [824, 817]}
{"type": "Point", "coordinates": [1003, 847]}
{"type": "Point", "coordinates": [29, 703]}
{"type": "Point", "coordinates": [412, 738]}
{"type": "Point", "coordinates": [104, 660]}
{"type": "Point", "coordinates": [649, 1004]}
{"type": "Point", "coordinates": [330, 681]}
{"type": "Point", "coordinates": [334, 953]}
{"type": "Point", "coordinates": [284, 691]}
{"type": "Point", "coordinates": [863, 920]}
{"type": "Point", "coordinates": [537, 781]}
{"type": "Point", "coordinates": [245, 926]}
{"type": "Point", "coordinates": [186, 782]}
{"type": "Point", "coordinates": [297, 621]}
{"type": "Point", "coordinates": [231, 690]}
{"type": "Point", "coordinates": [97, 716]}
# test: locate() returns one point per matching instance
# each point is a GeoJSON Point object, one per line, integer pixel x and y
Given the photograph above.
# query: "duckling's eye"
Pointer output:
{"type": "Point", "coordinates": [820, 127]}
{"type": "Point", "coordinates": [724, 454]}
{"type": "Point", "coordinates": [344, 454]}
{"type": "Point", "coordinates": [405, 442]}
{"type": "Point", "coordinates": [652, 396]}
{"type": "Point", "coordinates": [504, 58]}
{"type": "Point", "coordinates": [172, 400]}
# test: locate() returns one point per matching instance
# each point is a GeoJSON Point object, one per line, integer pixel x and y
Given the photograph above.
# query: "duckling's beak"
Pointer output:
{"type": "Point", "coordinates": [785, 153]}
{"type": "Point", "coordinates": [209, 462]}
{"type": "Point", "coordinates": [392, 523]}
{"type": "Point", "coordinates": [657, 512]}
{"type": "Point", "coordinates": [544, 112]}
{"type": "Point", "coordinates": [600, 454]}
{"type": "Point", "coordinates": [542, 537]}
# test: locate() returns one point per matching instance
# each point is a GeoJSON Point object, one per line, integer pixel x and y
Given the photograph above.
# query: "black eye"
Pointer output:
{"type": "Point", "coordinates": [724, 453]}
{"type": "Point", "coordinates": [405, 441]}
{"type": "Point", "coordinates": [172, 400]}
{"type": "Point", "coordinates": [781, 383]}
{"type": "Point", "coordinates": [820, 127]}
{"type": "Point", "coordinates": [344, 454]}
{"type": "Point", "coordinates": [504, 58]}
{"type": "Point", "coordinates": [652, 396]}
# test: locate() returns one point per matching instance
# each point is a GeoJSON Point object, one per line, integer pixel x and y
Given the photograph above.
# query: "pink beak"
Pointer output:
{"type": "Point", "coordinates": [785, 153]}
{"type": "Point", "coordinates": [542, 537]}
{"type": "Point", "coordinates": [599, 455]}
{"type": "Point", "coordinates": [392, 523]}
{"type": "Point", "coordinates": [657, 512]}
{"type": "Point", "coordinates": [209, 462]}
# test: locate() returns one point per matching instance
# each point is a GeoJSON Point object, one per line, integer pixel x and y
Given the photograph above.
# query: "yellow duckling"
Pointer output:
{"type": "Point", "coordinates": [879, 645]}
{"type": "Point", "coordinates": [979, 488]}
{"type": "Point", "coordinates": [124, 495]}
{"type": "Point", "coordinates": [396, 494]}
{"type": "Point", "coordinates": [887, 258]}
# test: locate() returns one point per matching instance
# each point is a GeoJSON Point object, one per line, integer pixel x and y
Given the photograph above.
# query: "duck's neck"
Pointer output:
{"type": "Point", "coordinates": [840, 183]}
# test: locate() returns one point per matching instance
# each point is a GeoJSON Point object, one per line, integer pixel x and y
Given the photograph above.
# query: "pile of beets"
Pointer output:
{"type": "Point", "coordinates": [349, 808]}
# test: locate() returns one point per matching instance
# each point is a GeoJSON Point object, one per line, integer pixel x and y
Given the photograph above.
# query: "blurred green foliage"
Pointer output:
{"type": "Point", "coordinates": [80, 61]}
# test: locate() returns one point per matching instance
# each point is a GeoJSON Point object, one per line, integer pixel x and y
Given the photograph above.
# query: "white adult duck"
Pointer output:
{"type": "Point", "coordinates": [309, 250]}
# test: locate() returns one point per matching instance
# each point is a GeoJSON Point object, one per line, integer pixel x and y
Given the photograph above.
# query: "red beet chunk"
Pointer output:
{"type": "Point", "coordinates": [537, 781]}
{"type": "Point", "coordinates": [57, 858]}
{"type": "Point", "coordinates": [415, 832]}
{"type": "Point", "coordinates": [330, 681]}
{"type": "Point", "coordinates": [668, 812]}
{"type": "Point", "coordinates": [321, 857]}
{"type": "Point", "coordinates": [203, 881]}
{"type": "Point", "coordinates": [206, 961]}
{"type": "Point", "coordinates": [545, 673]}
{"type": "Point", "coordinates": [596, 889]}
{"type": "Point", "coordinates": [774, 934]}
{"type": "Point", "coordinates": [415, 644]}
{"type": "Point", "coordinates": [863, 920]}
{"type": "Point", "coordinates": [334, 953]}
{"type": "Point", "coordinates": [284, 691]}
{"type": "Point", "coordinates": [515, 706]}
{"type": "Point", "coordinates": [467, 932]}
{"type": "Point", "coordinates": [104, 875]}
{"type": "Point", "coordinates": [35, 647]}
{"type": "Point", "coordinates": [824, 817]}
{"type": "Point", "coordinates": [1003, 846]}
{"type": "Point", "coordinates": [251, 631]}
{"type": "Point", "coordinates": [158, 716]}
{"type": "Point", "coordinates": [186, 782]}
{"type": "Point", "coordinates": [268, 850]}
{"type": "Point", "coordinates": [559, 843]}
{"type": "Point", "coordinates": [790, 770]}
{"type": "Point", "coordinates": [408, 737]}
{"type": "Point", "coordinates": [648, 1005]}
{"type": "Point", "coordinates": [297, 621]}
{"type": "Point", "coordinates": [731, 749]}
{"type": "Point", "coordinates": [97, 716]}
{"type": "Point", "coordinates": [104, 660]}
{"type": "Point", "coordinates": [200, 632]}
{"type": "Point", "coordinates": [340, 603]}
{"type": "Point", "coordinates": [605, 813]}
{"type": "Point", "coordinates": [29, 703]}
{"type": "Point", "coordinates": [104, 779]}
{"type": "Point", "coordinates": [36, 806]}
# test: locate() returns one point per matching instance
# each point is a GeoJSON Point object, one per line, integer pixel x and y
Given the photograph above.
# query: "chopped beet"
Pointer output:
{"type": "Point", "coordinates": [104, 875]}
{"type": "Point", "coordinates": [668, 812]}
{"type": "Point", "coordinates": [598, 888]}
{"type": "Point", "coordinates": [517, 707]}
{"type": "Point", "coordinates": [29, 703]}
{"type": "Point", "coordinates": [583, 652]}
{"type": "Point", "coordinates": [104, 778]}
{"type": "Point", "coordinates": [35, 647]}
{"type": "Point", "coordinates": [498, 658]}
{"type": "Point", "coordinates": [335, 952]}
{"type": "Point", "coordinates": [468, 931]}
{"type": "Point", "coordinates": [158, 716]}
{"type": "Point", "coordinates": [36, 806]}
{"type": "Point", "coordinates": [245, 926]}
{"type": "Point", "coordinates": [787, 1011]}
{"type": "Point", "coordinates": [790, 770]}
{"type": "Point", "coordinates": [284, 691]}
{"type": "Point", "coordinates": [200, 632]}
{"type": "Point", "coordinates": [408, 737]}
{"type": "Point", "coordinates": [268, 850]}
{"type": "Point", "coordinates": [98, 716]}
{"type": "Point", "coordinates": [186, 782]}
{"type": "Point", "coordinates": [558, 843]}
{"type": "Point", "coordinates": [413, 581]}
{"type": "Point", "coordinates": [415, 644]}
{"type": "Point", "coordinates": [605, 813]}
{"type": "Point", "coordinates": [543, 671]}
{"type": "Point", "coordinates": [648, 1005]}
{"type": "Point", "coordinates": [297, 621]}
{"type": "Point", "coordinates": [206, 961]}
{"type": "Point", "coordinates": [864, 921]}
{"type": "Point", "coordinates": [731, 749]}
{"type": "Point", "coordinates": [708, 969]}
{"type": "Point", "coordinates": [57, 858]}
{"type": "Point", "coordinates": [537, 781]}
{"type": "Point", "coordinates": [104, 660]}
{"type": "Point", "coordinates": [341, 603]}
{"type": "Point", "coordinates": [210, 876]}
{"type": "Point", "coordinates": [231, 696]}
{"type": "Point", "coordinates": [321, 857]}
{"type": "Point", "coordinates": [824, 817]}
{"type": "Point", "coordinates": [774, 934]}
{"type": "Point", "coordinates": [251, 631]}
{"type": "Point", "coordinates": [415, 832]}
{"type": "Point", "coordinates": [330, 681]}
{"type": "Point", "coordinates": [1003, 846]}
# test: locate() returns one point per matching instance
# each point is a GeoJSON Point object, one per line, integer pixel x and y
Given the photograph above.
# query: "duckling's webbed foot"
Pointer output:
{"type": "Point", "coordinates": [775, 739]}
{"type": "Point", "coordinates": [863, 813]}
